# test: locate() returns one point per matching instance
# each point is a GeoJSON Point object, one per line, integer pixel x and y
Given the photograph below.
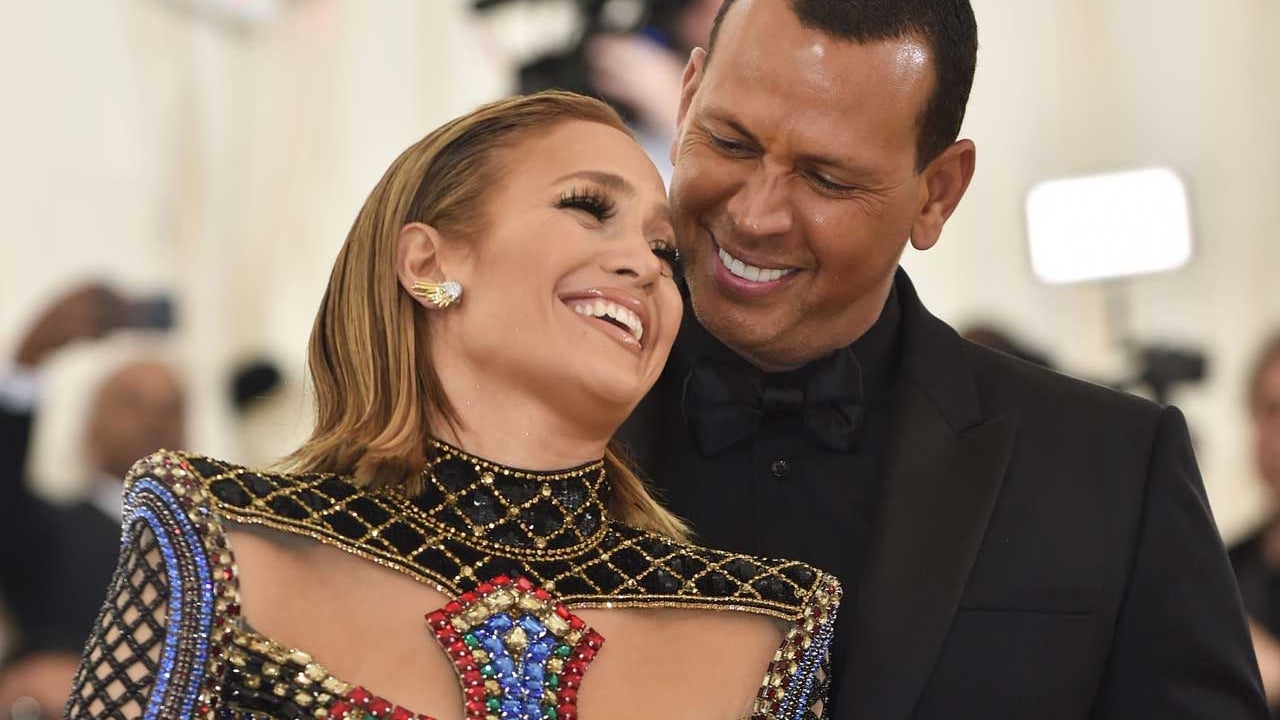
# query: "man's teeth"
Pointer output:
{"type": "Point", "coordinates": [614, 311]}
{"type": "Point", "coordinates": [750, 272]}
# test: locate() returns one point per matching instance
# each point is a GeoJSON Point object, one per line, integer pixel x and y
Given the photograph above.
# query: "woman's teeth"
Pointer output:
{"type": "Point", "coordinates": [612, 311]}
{"type": "Point", "coordinates": [750, 272]}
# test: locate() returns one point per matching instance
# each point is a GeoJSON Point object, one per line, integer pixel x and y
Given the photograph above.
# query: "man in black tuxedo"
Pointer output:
{"type": "Point", "coordinates": [1013, 543]}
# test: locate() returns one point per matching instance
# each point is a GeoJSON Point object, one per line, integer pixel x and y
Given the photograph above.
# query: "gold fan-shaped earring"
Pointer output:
{"type": "Point", "coordinates": [441, 294]}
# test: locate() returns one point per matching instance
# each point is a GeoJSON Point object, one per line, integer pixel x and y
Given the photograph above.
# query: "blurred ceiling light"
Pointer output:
{"type": "Point", "coordinates": [1108, 226]}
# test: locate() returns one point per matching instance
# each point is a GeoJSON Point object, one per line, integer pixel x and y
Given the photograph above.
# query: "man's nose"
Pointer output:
{"type": "Point", "coordinates": [760, 208]}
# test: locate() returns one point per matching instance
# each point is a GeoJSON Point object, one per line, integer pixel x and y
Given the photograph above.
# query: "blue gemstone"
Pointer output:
{"type": "Point", "coordinates": [493, 645]}
{"type": "Point", "coordinates": [539, 653]}
{"type": "Point", "coordinates": [533, 671]}
{"type": "Point", "coordinates": [500, 623]}
{"type": "Point", "coordinates": [532, 627]}
{"type": "Point", "coordinates": [504, 665]}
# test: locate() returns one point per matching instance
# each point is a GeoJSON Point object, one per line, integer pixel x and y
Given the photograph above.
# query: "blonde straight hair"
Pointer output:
{"type": "Point", "coordinates": [368, 357]}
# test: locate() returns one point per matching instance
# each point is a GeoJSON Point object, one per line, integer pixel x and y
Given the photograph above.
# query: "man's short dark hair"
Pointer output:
{"type": "Point", "coordinates": [947, 27]}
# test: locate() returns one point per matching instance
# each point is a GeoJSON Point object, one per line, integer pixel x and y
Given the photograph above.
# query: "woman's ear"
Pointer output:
{"type": "Point", "coordinates": [418, 258]}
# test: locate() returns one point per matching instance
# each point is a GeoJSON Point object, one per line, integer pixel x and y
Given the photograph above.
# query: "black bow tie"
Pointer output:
{"type": "Point", "coordinates": [725, 403]}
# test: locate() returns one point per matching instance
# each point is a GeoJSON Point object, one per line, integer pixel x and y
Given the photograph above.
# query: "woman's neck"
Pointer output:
{"type": "Point", "coordinates": [522, 432]}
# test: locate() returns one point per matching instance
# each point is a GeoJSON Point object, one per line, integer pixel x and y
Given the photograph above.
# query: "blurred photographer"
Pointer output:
{"type": "Point", "coordinates": [1257, 558]}
{"type": "Point", "coordinates": [56, 560]}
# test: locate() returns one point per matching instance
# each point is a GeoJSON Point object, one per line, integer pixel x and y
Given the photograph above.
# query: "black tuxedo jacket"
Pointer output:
{"type": "Point", "coordinates": [55, 561]}
{"type": "Point", "coordinates": [1041, 548]}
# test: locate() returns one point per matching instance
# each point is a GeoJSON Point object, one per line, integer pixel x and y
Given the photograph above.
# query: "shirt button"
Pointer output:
{"type": "Point", "coordinates": [781, 468]}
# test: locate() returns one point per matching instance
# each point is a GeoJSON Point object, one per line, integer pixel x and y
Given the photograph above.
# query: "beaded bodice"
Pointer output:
{"type": "Point", "coordinates": [516, 550]}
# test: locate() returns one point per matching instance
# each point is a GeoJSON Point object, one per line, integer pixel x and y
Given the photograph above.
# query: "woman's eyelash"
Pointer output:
{"type": "Point", "coordinates": [590, 200]}
{"type": "Point", "coordinates": [666, 253]}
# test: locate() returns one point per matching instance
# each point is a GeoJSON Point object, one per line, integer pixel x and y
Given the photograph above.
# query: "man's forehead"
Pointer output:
{"type": "Point", "coordinates": [760, 37]}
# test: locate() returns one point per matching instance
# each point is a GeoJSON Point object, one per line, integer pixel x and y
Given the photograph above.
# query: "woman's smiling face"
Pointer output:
{"type": "Point", "coordinates": [569, 289]}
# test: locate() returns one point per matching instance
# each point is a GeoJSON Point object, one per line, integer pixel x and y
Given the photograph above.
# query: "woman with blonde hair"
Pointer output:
{"type": "Point", "coordinates": [457, 536]}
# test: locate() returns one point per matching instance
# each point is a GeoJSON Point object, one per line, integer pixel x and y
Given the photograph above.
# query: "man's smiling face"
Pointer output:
{"type": "Point", "coordinates": [795, 187]}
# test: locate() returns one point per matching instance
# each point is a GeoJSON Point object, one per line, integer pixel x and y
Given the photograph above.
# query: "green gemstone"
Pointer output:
{"type": "Point", "coordinates": [471, 640]}
{"type": "Point", "coordinates": [550, 713]}
{"type": "Point", "coordinates": [493, 704]}
{"type": "Point", "coordinates": [553, 681]}
{"type": "Point", "coordinates": [488, 671]}
{"type": "Point", "coordinates": [563, 651]}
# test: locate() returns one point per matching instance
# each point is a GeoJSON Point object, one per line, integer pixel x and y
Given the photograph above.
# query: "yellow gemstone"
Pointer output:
{"type": "Point", "coordinates": [335, 686]}
{"type": "Point", "coordinates": [304, 699]}
{"type": "Point", "coordinates": [546, 491]}
{"type": "Point", "coordinates": [492, 687]}
{"type": "Point", "coordinates": [555, 666]}
{"type": "Point", "coordinates": [270, 669]}
{"type": "Point", "coordinates": [517, 639]}
{"type": "Point", "coordinates": [315, 672]}
{"type": "Point", "coordinates": [556, 625]}
{"type": "Point", "coordinates": [501, 599]}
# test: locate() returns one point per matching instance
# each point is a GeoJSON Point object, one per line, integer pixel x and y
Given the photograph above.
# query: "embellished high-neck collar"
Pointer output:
{"type": "Point", "coordinates": [509, 510]}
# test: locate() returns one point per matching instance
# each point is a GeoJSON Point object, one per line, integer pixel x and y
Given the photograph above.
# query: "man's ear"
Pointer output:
{"type": "Point", "coordinates": [944, 182]}
{"type": "Point", "coordinates": [418, 257]}
{"type": "Point", "coordinates": [688, 87]}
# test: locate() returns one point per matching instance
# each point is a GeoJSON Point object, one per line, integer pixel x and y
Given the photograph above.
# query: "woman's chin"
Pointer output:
{"type": "Point", "coordinates": [617, 387]}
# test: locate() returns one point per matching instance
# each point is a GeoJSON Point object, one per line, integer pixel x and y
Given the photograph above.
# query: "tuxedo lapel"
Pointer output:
{"type": "Point", "coordinates": [943, 470]}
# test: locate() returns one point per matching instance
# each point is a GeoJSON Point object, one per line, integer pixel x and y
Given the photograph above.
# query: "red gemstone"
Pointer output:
{"type": "Point", "coordinates": [453, 608]}
{"type": "Point", "coordinates": [380, 707]}
{"type": "Point", "coordinates": [475, 693]}
{"type": "Point", "coordinates": [233, 609]}
{"type": "Point", "coordinates": [565, 711]}
{"type": "Point", "coordinates": [502, 580]}
{"type": "Point", "coordinates": [467, 597]}
{"type": "Point", "coordinates": [484, 588]}
{"type": "Point", "coordinates": [541, 594]}
{"type": "Point", "coordinates": [562, 611]}
{"type": "Point", "coordinates": [568, 695]}
{"type": "Point", "coordinates": [400, 714]}
{"type": "Point", "coordinates": [360, 697]}
{"type": "Point", "coordinates": [471, 678]}
{"type": "Point", "coordinates": [586, 654]}
{"type": "Point", "coordinates": [447, 635]}
{"type": "Point", "coordinates": [576, 623]}
{"type": "Point", "coordinates": [524, 584]}
{"type": "Point", "coordinates": [475, 708]}
{"type": "Point", "coordinates": [465, 664]}
{"type": "Point", "coordinates": [570, 681]}
{"type": "Point", "coordinates": [574, 667]}
{"type": "Point", "coordinates": [594, 640]}
{"type": "Point", "coordinates": [438, 619]}
{"type": "Point", "coordinates": [227, 574]}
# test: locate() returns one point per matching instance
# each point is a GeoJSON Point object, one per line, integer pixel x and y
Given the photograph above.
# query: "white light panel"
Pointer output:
{"type": "Point", "coordinates": [1108, 226]}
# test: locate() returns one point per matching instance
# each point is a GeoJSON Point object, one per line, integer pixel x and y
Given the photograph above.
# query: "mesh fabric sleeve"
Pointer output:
{"type": "Point", "coordinates": [158, 647]}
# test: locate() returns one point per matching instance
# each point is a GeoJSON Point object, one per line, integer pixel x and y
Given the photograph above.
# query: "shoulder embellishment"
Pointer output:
{"type": "Point", "coordinates": [163, 492]}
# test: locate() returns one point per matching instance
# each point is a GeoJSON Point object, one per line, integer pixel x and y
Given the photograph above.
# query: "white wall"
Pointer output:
{"type": "Point", "coordinates": [173, 152]}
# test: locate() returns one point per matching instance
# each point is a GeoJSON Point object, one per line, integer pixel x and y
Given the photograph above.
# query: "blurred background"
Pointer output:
{"type": "Point", "coordinates": [204, 159]}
